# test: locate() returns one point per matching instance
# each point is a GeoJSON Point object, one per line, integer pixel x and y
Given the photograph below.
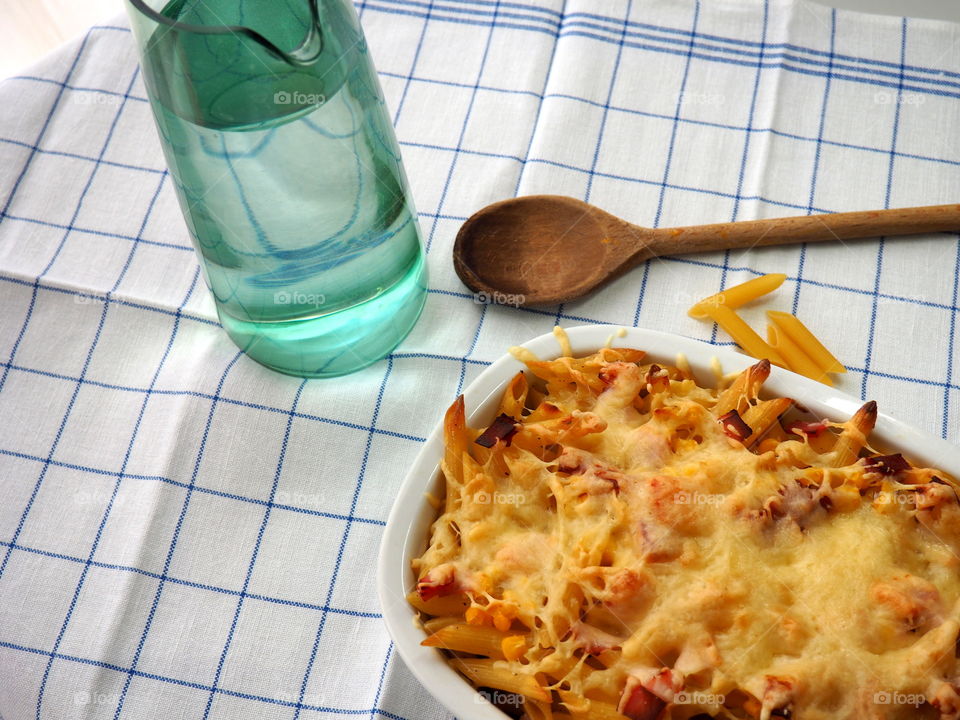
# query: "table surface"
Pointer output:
{"type": "Point", "coordinates": [184, 534]}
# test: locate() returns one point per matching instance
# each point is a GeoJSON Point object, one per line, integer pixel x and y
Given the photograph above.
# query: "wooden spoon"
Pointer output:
{"type": "Point", "coordinates": [543, 249]}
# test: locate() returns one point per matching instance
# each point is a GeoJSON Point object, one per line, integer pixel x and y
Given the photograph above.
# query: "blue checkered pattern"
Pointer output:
{"type": "Point", "coordinates": [185, 534]}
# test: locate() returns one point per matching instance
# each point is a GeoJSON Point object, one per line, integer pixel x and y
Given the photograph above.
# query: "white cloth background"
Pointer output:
{"type": "Point", "coordinates": [185, 534]}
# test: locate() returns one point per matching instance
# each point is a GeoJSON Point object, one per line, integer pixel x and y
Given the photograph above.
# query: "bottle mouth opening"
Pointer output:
{"type": "Point", "coordinates": [305, 53]}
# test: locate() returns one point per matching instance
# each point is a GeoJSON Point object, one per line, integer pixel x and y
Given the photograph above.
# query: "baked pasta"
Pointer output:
{"type": "Point", "coordinates": [623, 542]}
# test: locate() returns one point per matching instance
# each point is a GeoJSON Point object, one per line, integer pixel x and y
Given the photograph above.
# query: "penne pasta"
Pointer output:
{"type": "Point", "coordinates": [806, 340]}
{"type": "Point", "coordinates": [515, 397]}
{"type": "Point", "coordinates": [431, 625]}
{"type": "Point", "coordinates": [538, 710]}
{"type": "Point", "coordinates": [734, 297]}
{"type": "Point", "coordinates": [854, 436]}
{"type": "Point", "coordinates": [473, 639]}
{"type": "Point", "coordinates": [629, 491]}
{"type": "Point", "coordinates": [444, 605]}
{"type": "Point", "coordinates": [742, 334]}
{"type": "Point", "coordinates": [455, 441]}
{"type": "Point", "coordinates": [490, 673]}
{"type": "Point", "coordinates": [797, 360]}
{"type": "Point", "coordinates": [744, 389]}
{"type": "Point", "coordinates": [763, 416]}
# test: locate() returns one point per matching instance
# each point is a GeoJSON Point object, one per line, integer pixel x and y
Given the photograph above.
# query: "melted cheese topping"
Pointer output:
{"type": "Point", "coordinates": [632, 536]}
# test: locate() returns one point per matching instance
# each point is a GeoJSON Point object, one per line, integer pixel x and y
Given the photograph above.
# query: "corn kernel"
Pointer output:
{"type": "Point", "coordinates": [477, 616]}
{"type": "Point", "coordinates": [500, 621]}
{"type": "Point", "coordinates": [513, 647]}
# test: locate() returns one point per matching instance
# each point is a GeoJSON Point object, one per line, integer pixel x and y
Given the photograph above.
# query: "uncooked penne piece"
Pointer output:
{"type": "Point", "coordinates": [797, 360]}
{"type": "Point", "coordinates": [854, 436]}
{"type": "Point", "coordinates": [474, 639]}
{"type": "Point", "coordinates": [764, 415]}
{"type": "Point", "coordinates": [743, 390]}
{"type": "Point", "coordinates": [734, 297]}
{"type": "Point", "coordinates": [798, 332]}
{"type": "Point", "coordinates": [486, 673]}
{"type": "Point", "coordinates": [742, 333]}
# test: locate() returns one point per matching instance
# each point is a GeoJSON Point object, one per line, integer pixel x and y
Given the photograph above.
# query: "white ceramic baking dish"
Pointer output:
{"type": "Point", "coordinates": [405, 536]}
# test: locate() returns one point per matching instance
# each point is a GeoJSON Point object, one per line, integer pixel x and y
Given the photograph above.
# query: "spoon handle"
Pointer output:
{"type": "Point", "coordinates": [806, 228]}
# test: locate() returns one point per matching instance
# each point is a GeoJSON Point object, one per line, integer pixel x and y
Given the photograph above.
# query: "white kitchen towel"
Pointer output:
{"type": "Point", "coordinates": [185, 534]}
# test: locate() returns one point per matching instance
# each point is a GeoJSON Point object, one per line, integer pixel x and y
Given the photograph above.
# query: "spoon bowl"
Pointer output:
{"type": "Point", "coordinates": [548, 249]}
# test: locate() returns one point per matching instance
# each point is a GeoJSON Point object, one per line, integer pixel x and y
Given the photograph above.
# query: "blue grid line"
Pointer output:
{"type": "Point", "coordinates": [56, 441]}
{"type": "Point", "coordinates": [188, 583]}
{"type": "Point", "coordinates": [463, 133]}
{"type": "Point", "coordinates": [436, 356]}
{"type": "Point", "coordinates": [91, 231]}
{"type": "Point", "coordinates": [176, 536]}
{"type": "Point", "coordinates": [815, 283]}
{"type": "Point", "coordinates": [780, 46]}
{"type": "Point", "coordinates": [950, 344]}
{"type": "Point", "coordinates": [256, 549]}
{"type": "Point", "coordinates": [83, 193]}
{"type": "Point", "coordinates": [103, 298]}
{"type": "Point", "coordinates": [816, 155]}
{"type": "Point", "coordinates": [77, 156]}
{"type": "Point", "coordinates": [16, 186]}
{"type": "Point", "coordinates": [133, 436]}
{"type": "Point", "coordinates": [89, 355]}
{"type": "Point", "coordinates": [886, 203]}
{"type": "Point", "coordinates": [197, 488]}
{"type": "Point", "coordinates": [438, 215]}
{"type": "Point", "coordinates": [343, 540]}
{"type": "Point", "coordinates": [666, 171]}
{"type": "Point", "coordinates": [565, 316]}
{"type": "Point", "coordinates": [515, 6]}
{"type": "Point", "coordinates": [746, 148]}
{"type": "Point", "coordinates": [408, 80]}
{"type": "Point", "coordinates": [684, 39]}
{"type": "Point", "coordinates": [473, 346]}
{"type": "Point", "coordinates": [789, 46]}
{"type": "Point", "coordinates": [132, 672]}
{"type": "Point", "coordinates": [676, 121]}
{"type": "Point", "coordinates": [531, 93]}
{"type": "Point", "coordinates": [676, 31]}
{"type": "Point", "coordinates": [43, 129]}
{"type": "Point", "coordinates": [243, 403]}
{"type": "Point", "coordinates": [75, 88]}
{"type": "Point", "coordinates": [547, 96]}
{"type": "Point", "coordinates": [783, 57]}
{"type": "Point", "coordinates": [443, 196]}
{"type": "Point", "coordinates": [764, 52]}
{"type": "Point", "coordinates": [606, 106]}
{"type": "Point", "coordinates": [702, 191]}
{"type": "Point", "coordinates": [669, 160]}
{"type": "Point", "coordinates": [495, 16]}
{"type": "Point", "coordinates": [782, 63]}
{"type": "Point", "coordinates": [662, 116]}
{"type": "Point", "coordinates": [540, 102]}
{"type": "Point", "coordinates": [383, 675]}
{"type": "Point", "coordinates": [603, 123]}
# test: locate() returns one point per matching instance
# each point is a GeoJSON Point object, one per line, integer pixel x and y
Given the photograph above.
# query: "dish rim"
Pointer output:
{"type": "Point", "coordinates": [408, 524]}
